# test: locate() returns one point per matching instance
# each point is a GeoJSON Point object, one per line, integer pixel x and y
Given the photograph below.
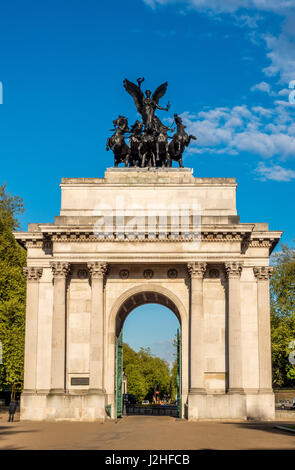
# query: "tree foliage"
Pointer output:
{"type": "Point", "coordinates": [12, 290]}
{"type": "Point", "coordinates": [282, 289]}
{"type": "Point", "coordinates": [144, 371]}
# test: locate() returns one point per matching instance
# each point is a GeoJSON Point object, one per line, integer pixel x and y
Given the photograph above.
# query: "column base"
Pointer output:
{"type": "Point", "coordinates": [95, 391]}
{"type": "Point", "coordinates": [239, 391]}
{"type": "Point", "coordinates": [234, 405]}
{"type": "Point", "coordinates": [216, 406]}
{"type": "Point", "coordinates": [261, 406]}
{"type": "Point", "coordinates": [56, 391]}
{"type": "Point", "coordinates": [63, 407]}
{"type": "Point", "coordinates": [29, 392]}
{"type": "Point", "coordinates": [197, 391]}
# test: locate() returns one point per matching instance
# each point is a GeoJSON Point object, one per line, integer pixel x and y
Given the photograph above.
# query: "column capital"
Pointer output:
{"type": "Point", "coordinates": [263, 273]}
{"type": "Point", "coordinates": [60, 269]}
{"type": "Point", "coordinates": [197, 269]}
{"type": "Point", "coordinates": [97, 269]}
{"type": "Point", "coordinates": [233, 269]}
{"type": "Point", "coordinates": [32, 273]}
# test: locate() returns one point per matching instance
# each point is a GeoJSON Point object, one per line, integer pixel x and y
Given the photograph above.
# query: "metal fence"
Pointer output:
{"type": "Point", "coordinates": [153, 410]}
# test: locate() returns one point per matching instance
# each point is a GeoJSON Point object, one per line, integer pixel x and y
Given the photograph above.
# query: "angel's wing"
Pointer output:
{"type": "Point", "coordinates": [135, 92]}
{"type": "Point", "coordinates": [160, 92]}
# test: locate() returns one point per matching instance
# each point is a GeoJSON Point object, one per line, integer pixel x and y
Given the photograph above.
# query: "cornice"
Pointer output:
{"type": "Point", "coordinates": [45, 238]}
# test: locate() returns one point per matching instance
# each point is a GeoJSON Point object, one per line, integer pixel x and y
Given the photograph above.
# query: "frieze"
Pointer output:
{"type": "Point", "coordinates": [90, 237]}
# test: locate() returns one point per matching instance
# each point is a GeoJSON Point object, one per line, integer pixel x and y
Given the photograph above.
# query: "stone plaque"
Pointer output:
{"type": "Point", "coordinates": [79, 380]}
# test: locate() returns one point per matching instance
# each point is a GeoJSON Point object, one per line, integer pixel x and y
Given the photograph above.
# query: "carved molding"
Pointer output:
{"type": "Point", "coordinates": [90, 237]}
{"type": "Point", "coordinates": [148, 273]}
{"type": "Point", "coordinates": [32, 273]}
{"type": "Point", "coordinates": [124, 273]}
{"type": "Point", "coordinates": [233, 269]}
{"type": "Point", "coordinates": [97, 269]}
{"type": "Point", "coordinates": [172, 273]}
{"type": "Point", "coordinates": [197, 269]}
{"type": "Point", "coordinates": [263, 272]}
{"type": "Point", "coordinates": [258, 243]}
{"type": "Point", "coordinates": [60, 269]}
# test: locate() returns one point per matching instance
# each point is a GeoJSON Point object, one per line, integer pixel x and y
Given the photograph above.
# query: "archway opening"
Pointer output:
{"type": "Point", "coordinates": [148, 356]}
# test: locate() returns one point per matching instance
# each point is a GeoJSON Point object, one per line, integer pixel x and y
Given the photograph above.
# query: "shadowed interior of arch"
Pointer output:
{"type": "Point", "coordinates": [142, 298]}
{"type": "Point", "coordinates": [151, 321]}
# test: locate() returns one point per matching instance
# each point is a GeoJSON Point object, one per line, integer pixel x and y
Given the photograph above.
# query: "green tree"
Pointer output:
{"type": "Point", "coordinates": [174, 370]}
{"type": "Point", "coordinates": [136, 384]}
{"type": "Point", "coordinates": [12, 290]}
{"type": "Point", "coordinates": [282, 290]}
{"type": "Point", "coordinates": [144, 371]}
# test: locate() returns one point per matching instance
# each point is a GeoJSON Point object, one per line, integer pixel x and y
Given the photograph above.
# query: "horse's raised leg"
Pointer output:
{"type": "Point", "coordinates": [157, 152]}
{"type": "Point", "coordinates": [127, 160]}
{"type": "Point", "coordinates": [143, 160]}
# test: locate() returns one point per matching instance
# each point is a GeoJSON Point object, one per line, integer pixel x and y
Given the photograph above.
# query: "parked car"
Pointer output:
{"type": "Point", "coordinates": [145, 402]}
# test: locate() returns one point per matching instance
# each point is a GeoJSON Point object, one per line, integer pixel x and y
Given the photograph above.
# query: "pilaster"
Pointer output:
{"type": "Point", "coordinates": [60, 272]}
{"type": "Point", "coordinates": [263, 274]}
{"type": "Point", "coordinates": [197, 363]}
{"type": "Point", "coordinates": [33, 274]}
{"type": "Point", "coordinates": [97, 273]}
{"type": "Point", "coordinates": [235, 373]}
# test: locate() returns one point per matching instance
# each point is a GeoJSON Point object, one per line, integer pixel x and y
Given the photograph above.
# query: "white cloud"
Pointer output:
{"type": "Point", "coordinates": [284, 92]}
{"type": "Point", "coordinates": [266, 132]}
{"type": "Point", "coordinates": [228, 6]}
{"type": "Point", "coordinates": [281, 49]}
{"type": "Point", "coordinates": [263, 86]}
{"type": "Point", "coordinates": [275, 173]}
{"type": "Point", "coordinates": [282, 53]}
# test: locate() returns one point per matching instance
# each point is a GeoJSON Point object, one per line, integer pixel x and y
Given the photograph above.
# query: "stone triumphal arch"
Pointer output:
{"type": "Point", "coordinates": [138, 236]}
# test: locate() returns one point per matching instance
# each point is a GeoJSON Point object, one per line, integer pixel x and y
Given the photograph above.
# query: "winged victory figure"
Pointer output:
{"type": "Point", "coordinates": [147, 105]}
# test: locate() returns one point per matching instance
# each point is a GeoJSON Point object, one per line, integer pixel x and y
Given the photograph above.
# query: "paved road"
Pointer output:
{"type": "Point", "coordinates": [143, 432]}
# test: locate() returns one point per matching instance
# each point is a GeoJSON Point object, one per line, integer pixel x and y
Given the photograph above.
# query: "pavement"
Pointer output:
{"type": "Point", "coordinates": [145, 433]}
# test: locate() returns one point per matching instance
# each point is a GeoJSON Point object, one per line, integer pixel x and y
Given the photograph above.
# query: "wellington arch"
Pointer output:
{"type": "Point", "coordinates": [147, 235]}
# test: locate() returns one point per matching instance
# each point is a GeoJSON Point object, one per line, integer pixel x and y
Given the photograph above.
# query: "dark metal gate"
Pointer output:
{"type": "Point", "coordinates": [167, 410]}
{"type": "Point", "coordinates": [179, 374]}
{"type": "Point", "coordinates": [119, 375]}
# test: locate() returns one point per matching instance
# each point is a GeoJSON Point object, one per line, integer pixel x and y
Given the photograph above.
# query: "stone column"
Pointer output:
{"type": "Point", "coordinates": [262, 274]}
{"type": "Point", "coordinates": [58, 353]}
{"type": "Point", "coordinates": [96, 382]}
{"type": "Point", "coordinates": [235, 363]}
{"type": "Point", "coordinates": [33, 275]}
{"type": "Point", "coordinates": [197, 362]}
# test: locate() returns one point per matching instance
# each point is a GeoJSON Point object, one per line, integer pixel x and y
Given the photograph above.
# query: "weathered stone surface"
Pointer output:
{"type": "Point", "coordinates": [84, 278]}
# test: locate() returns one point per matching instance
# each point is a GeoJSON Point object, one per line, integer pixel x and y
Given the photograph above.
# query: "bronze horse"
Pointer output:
{"type": "Point", "coordinates": [179, 141]}
{"type": "Point", "coordinates": [117, 141]}
{"type": "Point", "coordinates": [147, 149]}
{"type": "Point", "coordinates": [134, 144]}
{"type": "Point", "coordinates": [162, 154]}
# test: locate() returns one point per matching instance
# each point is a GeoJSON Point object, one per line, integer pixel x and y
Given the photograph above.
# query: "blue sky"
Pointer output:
{"type": "Point", "coordinates": [228, 64]}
